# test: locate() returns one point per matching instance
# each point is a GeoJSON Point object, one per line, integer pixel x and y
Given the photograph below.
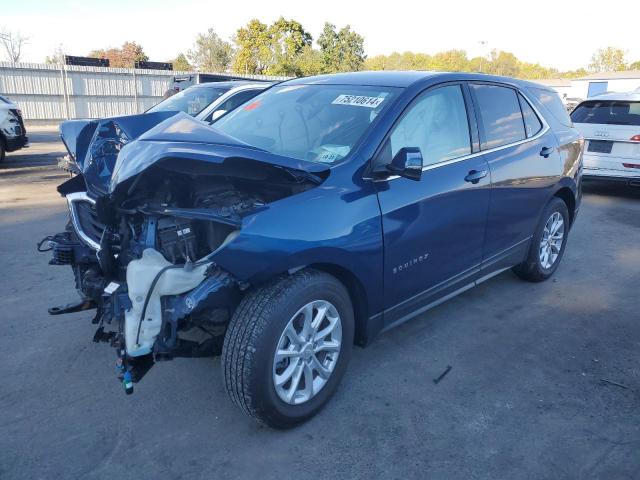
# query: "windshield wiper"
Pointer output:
{"type": "Point", "coordinates": [303, 175]}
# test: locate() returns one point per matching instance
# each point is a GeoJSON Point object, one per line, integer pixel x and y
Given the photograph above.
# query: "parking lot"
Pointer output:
{"type": "Point", "coordinates": [545, 378]}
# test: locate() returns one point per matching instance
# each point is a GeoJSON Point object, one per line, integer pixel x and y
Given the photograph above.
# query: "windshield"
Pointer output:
{"type": "Point", "coordinates": [320, 123]}
{"type": "Point", "coordinates": [192, 100]}
{"type": "Point", "coordinates": [607, 112]}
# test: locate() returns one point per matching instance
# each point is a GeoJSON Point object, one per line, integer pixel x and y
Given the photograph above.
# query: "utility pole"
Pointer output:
{"type": "Point", "coordinates": [483, 43]}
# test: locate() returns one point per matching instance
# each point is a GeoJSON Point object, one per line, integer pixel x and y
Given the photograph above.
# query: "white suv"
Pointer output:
{"type": "Point", "coordinates": [610, 124]}
{"type": "Point", "coordinates": [13, 135]}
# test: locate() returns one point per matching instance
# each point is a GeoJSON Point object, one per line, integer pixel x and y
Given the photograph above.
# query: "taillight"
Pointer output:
{"type": "Point", "coordinates": [635, 138]}
{"type": "Point", "coordinates": [630, 165]}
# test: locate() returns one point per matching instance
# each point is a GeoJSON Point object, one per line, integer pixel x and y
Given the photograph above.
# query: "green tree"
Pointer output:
{"type": "Point", "coordinates": [634, 65]}
{"type": "Point", "coordinates": [342, 51]}
{"type": "Point", "coordinates": [210, 52]}
{"type": "Point", "coordinates": [309, 61]}
{"type": "Point", "coordinates": [253, 54]}
{"type": "Point", "coordinates": [287, 40]}
{"type": "Point", "coordinates": [181, 63]}
{"type": "Point", "coordinates": [502, 63]}
{"type": "Point", "coordinates": [609, 59]}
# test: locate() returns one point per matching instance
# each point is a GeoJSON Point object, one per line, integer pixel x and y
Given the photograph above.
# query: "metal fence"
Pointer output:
{"type": "Point", "coordinates": [50, 93]}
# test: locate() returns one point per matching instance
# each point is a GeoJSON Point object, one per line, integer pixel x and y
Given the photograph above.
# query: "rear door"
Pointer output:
{"type": "Point", "coordinates": [433, 228]}
{"type": "Point", "coordinates": [525, 164]}
{"type": "Point", "coordinates": [611, 129]}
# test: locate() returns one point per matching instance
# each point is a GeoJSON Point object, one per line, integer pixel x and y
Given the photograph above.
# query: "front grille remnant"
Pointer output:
{"type": "Point", "coordinates": [85, 219]}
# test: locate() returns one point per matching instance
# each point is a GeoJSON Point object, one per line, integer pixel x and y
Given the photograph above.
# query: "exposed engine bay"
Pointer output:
{"type": "Point", "coordinates": [142, 254]}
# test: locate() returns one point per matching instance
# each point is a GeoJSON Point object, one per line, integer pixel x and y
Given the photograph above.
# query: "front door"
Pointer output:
{"type": "Point", "coordinates": [433, 228]}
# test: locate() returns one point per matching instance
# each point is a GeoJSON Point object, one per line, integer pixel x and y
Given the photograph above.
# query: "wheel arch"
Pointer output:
{"type": "Point", "coordinates": [565, 194]}
{"type": "Point", "coordinates": [357, 293]}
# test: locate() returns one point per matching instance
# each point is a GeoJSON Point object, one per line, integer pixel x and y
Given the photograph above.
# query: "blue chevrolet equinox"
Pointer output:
{"type": "Point", "coordinates": [320, 213]}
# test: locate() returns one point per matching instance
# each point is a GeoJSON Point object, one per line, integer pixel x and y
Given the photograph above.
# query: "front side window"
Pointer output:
{"type": "Point", "coordinates": [318, 123]}
{"type": "Point", "coordinates": [608, 112]}
{"type": "Point", "coordinates": [191, 100]}
{"type": "Point", "coordinates": [500, 115]}
{"type": "Point", "coordinates": [436, 122]}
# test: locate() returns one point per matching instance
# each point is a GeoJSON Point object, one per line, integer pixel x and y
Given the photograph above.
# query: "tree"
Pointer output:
{"type": "Point", "coordinates": [211, 53]}
{"type": "Point", "coordinates": [123, 57]}
{"type": "Point", "coordinates": [450, 61]}
{"type": "Point", "coordinates": [503, 63]}
{"type": "Point", "coordinates": [57, 57]}
{"type": "Point", "coordinates": [13, 43]}
{"type": "Point", "coordinates": [635, 65]}
{"type": "Point", "coordinates": [609, 59]}
{"type": "Point", "coordinates": [309, 61]}
{"type": "Point", "coordinates": [253, 54]}
{"type": "Point", "coordinates": [181, 63]}
{"type": "Point", "coordinates": [342, 51]}
{"type": "Point", "coordinates": [287, 40]}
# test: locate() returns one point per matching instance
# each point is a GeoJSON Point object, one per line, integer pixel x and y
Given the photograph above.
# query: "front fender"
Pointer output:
{"type": "Point", "coordinates": [336, 223]}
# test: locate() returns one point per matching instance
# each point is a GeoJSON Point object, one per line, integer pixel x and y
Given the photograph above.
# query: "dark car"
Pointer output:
{"type": "Point", "coordinates": [322, 212]}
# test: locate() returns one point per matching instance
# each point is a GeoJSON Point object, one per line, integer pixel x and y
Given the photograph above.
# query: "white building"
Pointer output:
{"type": "Point", "coordinates": [595, 84]}
{"type": "Point", "coordinates": [561, 85]}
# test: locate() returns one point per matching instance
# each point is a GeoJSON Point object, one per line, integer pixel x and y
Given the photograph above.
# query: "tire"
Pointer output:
{"type": "Point", "coordinates": [3, 150]}
{"type": "Point", "coordinates": [257, 330]}
{"type": "Point", "coordinates": [534, 268]}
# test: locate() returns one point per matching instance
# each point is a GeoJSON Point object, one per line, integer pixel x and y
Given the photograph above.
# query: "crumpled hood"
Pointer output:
{"type": "Point", "coordinates": [113, 150]}
{"type": "Point", "coordinates": [94, 145]}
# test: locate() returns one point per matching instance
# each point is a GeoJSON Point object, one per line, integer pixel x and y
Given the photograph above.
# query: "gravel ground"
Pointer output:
{"type": "Point", "coordinates": [524, 400]}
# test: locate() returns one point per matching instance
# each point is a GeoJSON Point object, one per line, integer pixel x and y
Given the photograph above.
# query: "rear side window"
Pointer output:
{"type": "Point", "coordinates": [532, 124]}
{"type": "Point", "coordinates": [607, 112]}
{"type": "Point", "coordinates": [500, 115]}
{"type": "Point", "coordinates": [552, 102]}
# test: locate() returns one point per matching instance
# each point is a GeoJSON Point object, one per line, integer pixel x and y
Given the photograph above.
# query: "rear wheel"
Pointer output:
{"type": "Point", "coordinates": [3, 150]}
{"type": "Point", "coordinates": [287, 348]}
{"type": "Point", "coordinates": [548, 243]}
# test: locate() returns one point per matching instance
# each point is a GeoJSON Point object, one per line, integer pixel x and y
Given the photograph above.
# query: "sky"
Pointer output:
{"type": "Point", "coordinates": [555, 33]}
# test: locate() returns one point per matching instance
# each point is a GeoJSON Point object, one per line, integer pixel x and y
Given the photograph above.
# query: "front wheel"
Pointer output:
{"type": "Point", "coordinates": [287, 347]}
{"type": "Point", "coordinates": [547, 245]}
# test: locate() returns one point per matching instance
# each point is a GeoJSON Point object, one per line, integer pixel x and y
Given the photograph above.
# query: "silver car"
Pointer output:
{"type": "Point", "coordinates": [210, 101]}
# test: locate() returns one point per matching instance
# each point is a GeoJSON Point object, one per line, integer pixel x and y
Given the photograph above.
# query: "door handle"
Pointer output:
{"type": "Point", "coordinates": [546, 151]}
{"type": "Point", "coordinates": [474, 176]}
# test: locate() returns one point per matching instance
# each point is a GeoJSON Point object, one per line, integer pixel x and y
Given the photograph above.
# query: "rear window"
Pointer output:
{"type": "Point", "coordinates": [607, 112]}
{"type": "Point", "coordinates": [552, 102]}
{"type": "Point", "coordinates": [500, 115]}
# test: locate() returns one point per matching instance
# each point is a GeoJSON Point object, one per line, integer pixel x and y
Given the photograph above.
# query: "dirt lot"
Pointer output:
{"type": "Point", "coordinates": [524, 399]}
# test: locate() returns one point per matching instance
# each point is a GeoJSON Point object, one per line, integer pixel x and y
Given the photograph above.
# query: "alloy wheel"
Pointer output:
{"type": "Point", "coordinates": [551, 242]}
{"type": "Point", "coordinates": [307, 352]}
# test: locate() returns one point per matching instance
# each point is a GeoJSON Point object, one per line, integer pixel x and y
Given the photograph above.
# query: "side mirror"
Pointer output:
{"type": "Point", "coordinates": [217, 114]}
{"type": "Point", "coordinates": [407, 163]}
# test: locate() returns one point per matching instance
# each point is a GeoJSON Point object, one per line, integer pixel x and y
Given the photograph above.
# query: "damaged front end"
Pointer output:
{"type": "Point", "coordinates": [152, 206]}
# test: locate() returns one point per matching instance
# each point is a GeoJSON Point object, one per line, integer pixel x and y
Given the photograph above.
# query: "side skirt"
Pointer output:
{"type": "Point", "coordinates": [412, 307]}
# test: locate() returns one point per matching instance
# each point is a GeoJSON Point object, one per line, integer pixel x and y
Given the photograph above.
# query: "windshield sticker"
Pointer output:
{"type": "Point", "coordinates": [252, 106]}
{"type": "Point", "coordinates": [331, 153]}
{"type": "Point", "coordinates": [358, 101]}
